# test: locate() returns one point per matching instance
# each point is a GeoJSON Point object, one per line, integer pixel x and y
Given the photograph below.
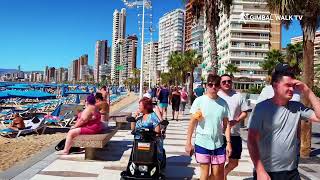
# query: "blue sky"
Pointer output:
{"type": "Point", "coordinates": [36, 33]}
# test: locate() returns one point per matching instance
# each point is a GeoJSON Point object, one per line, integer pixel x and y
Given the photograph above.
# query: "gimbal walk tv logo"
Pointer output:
{"type": "Point", "coordinates": [244, 17]}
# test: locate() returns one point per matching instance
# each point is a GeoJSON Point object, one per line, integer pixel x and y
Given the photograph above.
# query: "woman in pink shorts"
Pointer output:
{"type": "Point", "coordinates": [88, 122]}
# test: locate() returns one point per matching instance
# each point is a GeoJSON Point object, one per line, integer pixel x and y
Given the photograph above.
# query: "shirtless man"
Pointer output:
{"type": "Point", "coordinates": [17, 123]}
{"type": "Point", "coordinates": [103, 107]}
{"type": "Point", "coordinates": [105, 94]}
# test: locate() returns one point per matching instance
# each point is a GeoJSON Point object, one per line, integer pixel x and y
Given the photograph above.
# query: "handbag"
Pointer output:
{"type": "Point", "coordinates": [60, 147]}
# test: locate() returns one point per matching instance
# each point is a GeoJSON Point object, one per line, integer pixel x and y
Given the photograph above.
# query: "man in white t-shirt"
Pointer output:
{"type": "Point", "coordinates": [237, 108]}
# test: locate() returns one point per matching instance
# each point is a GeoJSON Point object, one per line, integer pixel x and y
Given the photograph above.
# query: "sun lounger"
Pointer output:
{"type": "Point", "coordinates": [33, 125]}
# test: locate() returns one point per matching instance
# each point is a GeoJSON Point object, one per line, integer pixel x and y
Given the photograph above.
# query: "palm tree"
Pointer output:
{"type": "Point", "coordinates": [176, 65]}
{"type": "Point", "coordinates": [231, 68]}
{"type": "Point", "coordinates": [136, 79]}
{"type": "Point", "coordinates": [211, 11]}
{"type": "Point", "coordinates": [310, 10]}
{"type": "Point", "coordinates": [271, 60]}
{"type": "Point", "coordinates": [166, 78]}
{"type": "Point", "coordinates": [294, 56]}
{"type": "Point", "coordinates": [191, 60]}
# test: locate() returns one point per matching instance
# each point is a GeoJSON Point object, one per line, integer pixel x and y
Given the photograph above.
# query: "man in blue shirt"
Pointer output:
{"type": "Point", "coordinates": [199, 91]}
{"type": "Point", "coordinates": [163, 97]}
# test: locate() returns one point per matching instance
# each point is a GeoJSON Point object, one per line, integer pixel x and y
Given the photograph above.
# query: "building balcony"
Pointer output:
{"type": "Point", "coordinates": [245, 57]}
{"type": "Point", "coordinates": [248, 67]}
{"type": "Point", "coordinates": [250, 76]}
{"type": "Point", "coordinates": [250, 48]}
{"type": "Point", "coordinates": [250, 38]}
{"type": "Point", "coordinates": [250, 2]}
{"type": "Point", "coordinates": [250, 29]}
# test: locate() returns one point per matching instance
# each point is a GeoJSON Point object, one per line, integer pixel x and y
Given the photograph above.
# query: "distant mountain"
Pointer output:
{"type": "Point", "coordinates": [3, 71]}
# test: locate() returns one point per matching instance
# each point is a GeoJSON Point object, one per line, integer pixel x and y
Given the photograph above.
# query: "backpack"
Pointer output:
{"type": "Point", "coordinates": [60, 146]}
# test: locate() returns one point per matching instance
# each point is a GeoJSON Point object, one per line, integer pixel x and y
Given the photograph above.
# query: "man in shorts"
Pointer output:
{"type": "Point", "coordinates": [273, 128]}
{"type": "Point", "coordinates": [210, 149]}
{"type": "Point", "coordinates": [238, 108]}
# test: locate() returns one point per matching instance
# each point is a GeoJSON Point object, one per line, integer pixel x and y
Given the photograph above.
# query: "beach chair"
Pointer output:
{"type": "Point", "coordinates": [59, 120]}
{"type": "Point", "coordinates": [33, 125]}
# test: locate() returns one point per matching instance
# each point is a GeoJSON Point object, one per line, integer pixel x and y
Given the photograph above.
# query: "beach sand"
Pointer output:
{"type": "Point", "coordinates": [13, 151]}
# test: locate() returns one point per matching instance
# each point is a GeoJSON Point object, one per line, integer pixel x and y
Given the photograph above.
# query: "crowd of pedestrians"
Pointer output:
{"type": "Point", "coordinates": [273, 128]}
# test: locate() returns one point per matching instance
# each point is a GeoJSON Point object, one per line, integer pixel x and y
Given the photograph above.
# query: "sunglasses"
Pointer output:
{"type": "Point", "coordinates": [210, 85]}
{"type": "Point", "coordinates": [226, 81]}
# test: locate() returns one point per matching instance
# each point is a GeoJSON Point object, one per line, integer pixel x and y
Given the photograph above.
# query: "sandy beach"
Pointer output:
{"type": "Point", "coordinates": [13, 151]}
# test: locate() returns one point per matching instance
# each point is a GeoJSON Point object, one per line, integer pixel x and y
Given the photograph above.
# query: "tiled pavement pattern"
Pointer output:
{"type": "Point", "coordinates": [116, 154]}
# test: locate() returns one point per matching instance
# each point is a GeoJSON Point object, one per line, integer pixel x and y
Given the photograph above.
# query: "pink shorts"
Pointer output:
{"type": "Point", "coordinates": [206, 156]}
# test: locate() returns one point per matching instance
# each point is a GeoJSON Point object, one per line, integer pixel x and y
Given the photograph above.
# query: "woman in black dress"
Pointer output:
{"type": "Point", "coordinates": [175, 101]}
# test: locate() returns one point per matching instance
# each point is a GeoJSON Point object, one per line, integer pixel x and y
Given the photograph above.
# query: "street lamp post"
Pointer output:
{"type": "Point", "coordinates": [143, 4]}
{"type": "Point", "coordinates": [142, 50]}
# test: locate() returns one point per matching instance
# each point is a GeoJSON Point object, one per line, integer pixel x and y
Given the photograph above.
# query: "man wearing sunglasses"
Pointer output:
{"type": "Point", "coordinates": [238, 108]}
{"type": "Point", "coordinates": [210, 151]}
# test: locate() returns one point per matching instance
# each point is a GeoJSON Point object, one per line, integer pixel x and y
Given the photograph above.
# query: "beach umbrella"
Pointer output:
{"type": "Point", "coordinates": [17, 87]}
{"type": "Point", "coordinates": [77, 99]}
{"type": "Point", "coordinates": [87, 89]}
{"type": "Point", "coordinates": [78, 91]}
{"type": "Point", "coordinates": [30, 94]}
{"type": "Point", "coordinates": [4, 95]}
{"type": "Point", "coordinates": [94, 89]}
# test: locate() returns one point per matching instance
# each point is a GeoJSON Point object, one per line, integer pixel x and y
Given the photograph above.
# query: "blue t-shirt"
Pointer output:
{"type": "Point", "coordinates": [209, 132]}
{"type": "Point", "coordinates": [164, 96]}
{"type": "Point", "coordinates": [151, 122]}
{"type": "Point", "coordinates": [199, 91]}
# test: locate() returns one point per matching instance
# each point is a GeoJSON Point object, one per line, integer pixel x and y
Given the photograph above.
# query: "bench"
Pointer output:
{"type": "Point", "coordinates": [92, 142]}
{"type": "Point", "coordinates": [120, 119]}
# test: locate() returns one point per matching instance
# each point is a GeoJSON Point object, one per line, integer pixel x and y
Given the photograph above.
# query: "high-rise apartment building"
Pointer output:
{"type": "Point", "coordinates": [298, 39]}
{"type": "Point", "coordinates": [51, 74]}
{"type": "Point", "coordinates": [193, 30]}
{"type": "Point", "coordinates": [75, 69]}
{"type": "Point", "coordinates": [244, 41]}
{"type": "Point", "coordinates": [151, 62]}
{"type": "Point", "coordinates": [171, 36]}
{"type": "Point", "coordinates": [46, 76]}
{"type": "Point", "coordinates": [102, 57]}
{"type": "Point", "coordinates": [118, 38]}
{"type": "Point", "coordinates": [83, 68]}
{"type": "Point", "coordinates": [129, 58]}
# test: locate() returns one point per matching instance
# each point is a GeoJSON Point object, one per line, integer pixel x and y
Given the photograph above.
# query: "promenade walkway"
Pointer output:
{"type": "Point", "coordinates": [116, 154]}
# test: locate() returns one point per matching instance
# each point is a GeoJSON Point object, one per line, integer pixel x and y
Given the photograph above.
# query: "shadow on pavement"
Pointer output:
{"type": "Point", "coordinates": [113, 151]}
{"type": "Point", "coordinates": [315, 152]}
{"type": "Point", "coordinates": [179, 167]}
{"type": "Point", "coordinates": [315, 135]}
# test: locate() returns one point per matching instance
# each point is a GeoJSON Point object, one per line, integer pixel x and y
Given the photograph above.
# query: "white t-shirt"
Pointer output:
{"type": "Point", "coordinates": [237, 104]}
